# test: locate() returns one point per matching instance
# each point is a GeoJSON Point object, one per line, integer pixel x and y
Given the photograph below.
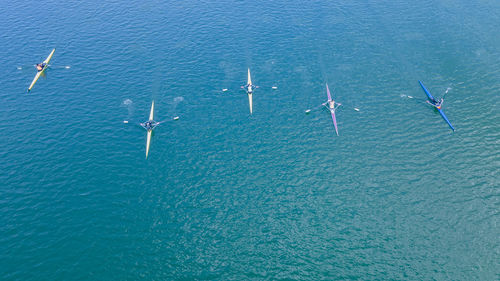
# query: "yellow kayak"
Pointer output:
{"type": "Point", "coordinates": [46, 64]}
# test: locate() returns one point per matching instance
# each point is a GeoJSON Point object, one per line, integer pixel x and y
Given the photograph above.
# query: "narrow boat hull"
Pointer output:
{"type": "Point", "coordinates": [148, 142]}
{"type": "Point", "coordinates": [446, 119]}
{"type": "Point", "coordinates": [151, 118]}
{"type": "Point", "coordinates": [249, 83]}
{"type": "Point", "coordinates": [335, 122]}
{"type": "Point", "coordinates": [250, 102]}
{"type": "Point", "coordinates": [332, 111]}
{"type": "Point", "coordinates": [39, 73]}
{"type": "Point", "coordinates": [151, 113]}
{"type": "Point", "coordinates": [439, 110]}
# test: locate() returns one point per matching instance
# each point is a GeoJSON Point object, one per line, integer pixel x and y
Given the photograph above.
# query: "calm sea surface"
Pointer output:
{"type": "Point", "coordinates": [226, 195]}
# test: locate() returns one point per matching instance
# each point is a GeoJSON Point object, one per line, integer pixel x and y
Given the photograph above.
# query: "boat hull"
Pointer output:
{"type": "Point", "coordinates": [446, 119]}
{"type": "Point", "coordinates": [429, 95]}
{"type": "Point", "coordinates": [39, 73]}
{"type": "Point", "coordinates": [250, 103]}
{"type": "Point", "coordinates": [332, 111]}
{"type": "Point", "coordinates": [335, 122]}
{"type": "Point", "coordinates": [151, 118]}
{"type": "Point", "coordinates": [148, 142]}
{"type": "Point", "coordinates": [249, 83]}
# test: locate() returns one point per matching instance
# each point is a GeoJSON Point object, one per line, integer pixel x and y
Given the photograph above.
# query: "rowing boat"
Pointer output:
{"type": "Point", "coordinates": [46, 64]}
{"type": "Point", "coordinates": [432, 99]}
{"type": "Point", "coordinates": [150, 131]}
{"type": "Point", "coordinates": [328, 105]}
{"type": "Point", "coordinates": [150, 125]}
{"type": "Point", "coordinates": [249, 91]}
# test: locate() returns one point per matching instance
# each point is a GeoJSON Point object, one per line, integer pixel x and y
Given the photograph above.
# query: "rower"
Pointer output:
{"type": "Point", "coordinates": [249, 88]}
{"type": "Point", "coordinates": [331, 103]}
{"type": "Point", "coordinates": [148, 125]}
{"type": "Point", "coordinates": [436, 104]}
{"type": "Point", "coordinates": [40, 66]}
{"type": "Point", "coordinates": [439, 103]}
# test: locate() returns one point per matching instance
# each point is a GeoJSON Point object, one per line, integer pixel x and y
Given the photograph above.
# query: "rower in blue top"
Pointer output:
{"type": "Point", "coordinates": [149, 125]}
{"type": "Point", "coordinates": [437, 104]}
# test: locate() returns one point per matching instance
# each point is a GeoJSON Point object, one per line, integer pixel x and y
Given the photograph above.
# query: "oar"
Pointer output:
{"type": "Point", "coordinates": [175, 118]}
{"type": "Point", "coordinates": [50, 65]}
{"type": "Point", "coordinates": [157, 123]}
{"type": "Point", "coordinates": [314, 108]}
{"type": "Point", "coordinates": [25, 66]}
{"type": "Point", "coordinates": [324, 104]}
{"type": "Point", "coordinates": [447, 90]}
{"type": "Point", "coordinates": [60, 67]}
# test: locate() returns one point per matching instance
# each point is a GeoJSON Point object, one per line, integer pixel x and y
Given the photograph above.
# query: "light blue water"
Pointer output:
{"type": "Point", "coordinates": [225, 195]}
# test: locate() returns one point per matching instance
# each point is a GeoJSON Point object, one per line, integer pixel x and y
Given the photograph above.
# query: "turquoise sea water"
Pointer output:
{"type": "Point", "coordinates": [229, 196]}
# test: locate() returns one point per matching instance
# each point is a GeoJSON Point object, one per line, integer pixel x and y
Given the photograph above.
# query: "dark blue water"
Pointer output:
{"type": "Point", "coordinates": [229, 195]}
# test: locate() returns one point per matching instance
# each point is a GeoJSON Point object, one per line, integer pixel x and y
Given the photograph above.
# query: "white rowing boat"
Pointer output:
{"type": "Point", "coordinates": [46, 64]}
{"type": "Point", "coordinates": [150, 125]}
{"type": "Point", "coordinates": [150, 131]}
{"type": "Point", "coordinates": [250, 91]}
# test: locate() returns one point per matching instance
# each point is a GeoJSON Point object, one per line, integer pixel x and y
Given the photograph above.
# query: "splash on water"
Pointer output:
{"type": "Point", "coordinates": [129, 104]}
{"type": "Point", "coordinates": [176, 102]}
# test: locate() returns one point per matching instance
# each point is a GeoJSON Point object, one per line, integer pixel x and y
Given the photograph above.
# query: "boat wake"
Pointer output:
{"type": "Point", "coordinates": [127, 102]}
{"type": "Point", "coordinates": [175, 102]}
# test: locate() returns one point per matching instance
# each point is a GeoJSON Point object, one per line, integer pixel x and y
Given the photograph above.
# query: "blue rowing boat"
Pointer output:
{"type": "Point", "coordinates": [433, 100]}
